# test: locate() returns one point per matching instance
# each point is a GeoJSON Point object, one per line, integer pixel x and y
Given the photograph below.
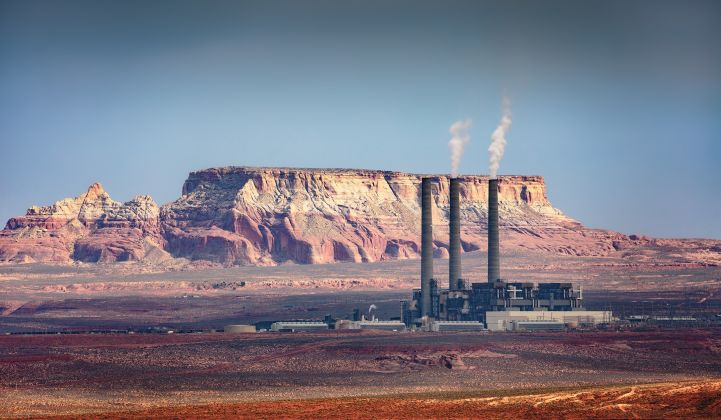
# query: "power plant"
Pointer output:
{"type": "Point", "coordinates": [497, 304]}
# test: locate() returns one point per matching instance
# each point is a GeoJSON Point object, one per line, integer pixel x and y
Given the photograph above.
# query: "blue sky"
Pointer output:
{"type": "Point", "coordinates": [616, 103]}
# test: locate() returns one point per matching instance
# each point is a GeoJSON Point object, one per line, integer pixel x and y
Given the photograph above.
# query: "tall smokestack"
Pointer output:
{"type": "Point", "coordinates": [494, 265]}
{"type": "Point", "coordinates": [454, 243]}
{"type": "Point", "coordinates": [426, 245]}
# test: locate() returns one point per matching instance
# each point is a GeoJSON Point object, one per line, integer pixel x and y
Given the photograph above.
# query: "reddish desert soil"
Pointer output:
{"type": "Point", "coordinates": [374, 374]}
{"type": "Point", "coordinates": [671, 373]}
{"type": "Point", "coordinates": [665, 400]}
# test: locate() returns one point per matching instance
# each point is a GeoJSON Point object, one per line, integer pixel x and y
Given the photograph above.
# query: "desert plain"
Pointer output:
{"type": "Point", "coordinates": [621, 372]}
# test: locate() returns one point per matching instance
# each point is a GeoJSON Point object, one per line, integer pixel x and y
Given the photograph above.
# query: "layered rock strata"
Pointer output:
{"type": "Point", "coordinates": [91, 228]}
{"type": "Point", "coordinates": [268, 216]}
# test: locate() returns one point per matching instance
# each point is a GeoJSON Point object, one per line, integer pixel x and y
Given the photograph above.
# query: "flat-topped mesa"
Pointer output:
{"type": "Point", "coordinates": [241, 215]}
{"type": "Point", "coordinates": [529, 189]}
{"type": "Point", "coordinates": [267, 216]}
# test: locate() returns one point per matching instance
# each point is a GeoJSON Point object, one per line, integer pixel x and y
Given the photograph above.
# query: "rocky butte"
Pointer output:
{"type": "Point", "coordinates": [267, 216]}
{"type": "Point", "coordinates": [90, 227]}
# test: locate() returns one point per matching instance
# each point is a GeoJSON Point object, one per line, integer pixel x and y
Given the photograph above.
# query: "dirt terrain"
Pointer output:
{"type": "Point", "coordinates": [240, 374]}
{"type": "Point", "coordinates": [622, 374]}
{"type": "Point", "coordinates": [37, 297]}
{"type": "Point", "coordinates": [665, 400]}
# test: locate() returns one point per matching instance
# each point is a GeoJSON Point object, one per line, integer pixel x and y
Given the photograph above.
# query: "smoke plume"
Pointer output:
{"type": "Point", "coordinates": [459, 138]}
{"type": "Point", "coordinates": [498, 139]}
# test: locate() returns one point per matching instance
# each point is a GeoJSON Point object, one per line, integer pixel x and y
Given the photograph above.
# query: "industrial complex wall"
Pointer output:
{"type": "Point", "coordinates": [503, 320]}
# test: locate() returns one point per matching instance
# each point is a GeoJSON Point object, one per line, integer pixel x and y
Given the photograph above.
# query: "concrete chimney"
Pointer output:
{"type": "Point", "coordinates": [494, 265]}
{"type": "Point", "coordinates": [426, 245]}
{"type": "Point", "coordinates": [454, 239]}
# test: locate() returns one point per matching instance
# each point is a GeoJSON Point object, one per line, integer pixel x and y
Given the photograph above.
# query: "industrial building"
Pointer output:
{"type": "Point", "coordinates": [511, 320]}
{"type": "Point", "coordinates": [535, 326]}
{"type": "Point", "coordinates": [239, 329]}
{"type": "Point", "coordinates": [495, 303]}
{"type": "Point", "coordinates": [298, 326]}
{"type": "Point", "coordinates": [381, 325]}
{"type": "Point", "coordinates": [440, 326]}
{"type": "Point", "coordinates": [376, 324]}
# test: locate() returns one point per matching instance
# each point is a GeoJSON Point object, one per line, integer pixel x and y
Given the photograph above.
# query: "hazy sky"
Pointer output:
{"type": "Point", "coordinates": [616, 103]}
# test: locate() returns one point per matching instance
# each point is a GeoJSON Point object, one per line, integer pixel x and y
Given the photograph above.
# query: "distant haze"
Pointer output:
{"type": "Point", "coordinates": [616, 103]}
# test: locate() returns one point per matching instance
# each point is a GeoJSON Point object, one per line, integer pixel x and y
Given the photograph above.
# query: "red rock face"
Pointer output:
{"type": "Point", "coordinates": [267, 216]}
{"type": "Point", "coordinates": [90, 228]}
{"type": "Point", "coordinates": [272, 215]}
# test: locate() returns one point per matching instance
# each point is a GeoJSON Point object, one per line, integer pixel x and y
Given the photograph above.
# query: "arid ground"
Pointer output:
{"type": "Point", "coordinates": [609, 374]}
{"type": "Point", "coordinates": [97, 296]}
{"type": "Point", "coordinates": [622, 373]}
{"type": "Point", "coordinates": [663, 400]}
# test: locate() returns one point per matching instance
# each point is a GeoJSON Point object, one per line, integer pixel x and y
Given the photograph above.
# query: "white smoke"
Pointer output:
{"type": "Point", "coordinates": [459, 138]}
{"type": "Point", "coordinates": [498, 139]}
{"type": "Point", "coordinates": [370, 308]}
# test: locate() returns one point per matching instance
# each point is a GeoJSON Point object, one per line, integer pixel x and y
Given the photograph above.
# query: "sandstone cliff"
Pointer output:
{"type": "Point", "coordinates": [91, 228]}
{"type": "Point", "coordinates": [270, 215]}
{"type": "Point", "coordinates": [267, 216]}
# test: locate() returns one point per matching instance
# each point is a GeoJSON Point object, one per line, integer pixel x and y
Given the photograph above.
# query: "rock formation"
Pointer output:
{"type": "Point", "coordinates": [90, 228]}
{"type": "Point", "coordinates": [267, 216]}
{"type": "Point", "coordinates": [270, 215]}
